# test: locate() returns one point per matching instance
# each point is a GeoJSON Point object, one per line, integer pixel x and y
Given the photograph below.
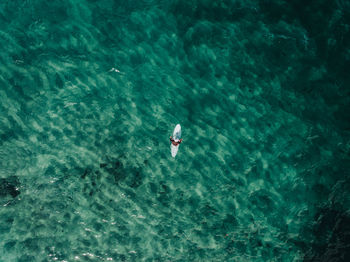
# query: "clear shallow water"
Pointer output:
{"type": "Point", "coordinates": [91, 91]}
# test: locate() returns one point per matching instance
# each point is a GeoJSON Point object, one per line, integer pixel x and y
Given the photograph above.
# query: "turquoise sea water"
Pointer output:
{"type": "Point", "coordinates": [90, 92]}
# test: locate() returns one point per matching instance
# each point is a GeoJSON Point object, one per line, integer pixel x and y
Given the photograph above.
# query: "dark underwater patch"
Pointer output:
{"type": "Point", "coordinates": [332, 237]}
{"type": "Point", "coordinates": [330, 230]}
{"type": "Point", "coordinates": [9, 187]}
{"type": "Point", "coordinates": [131, 175]}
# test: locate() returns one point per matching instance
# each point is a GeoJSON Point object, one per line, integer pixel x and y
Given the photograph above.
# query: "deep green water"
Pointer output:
{"type": "Point", "coordinates": [90, 92]}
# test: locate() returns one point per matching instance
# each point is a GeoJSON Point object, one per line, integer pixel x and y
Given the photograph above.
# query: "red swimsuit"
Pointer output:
{"type": "Point", "coordinates": [175, 143]}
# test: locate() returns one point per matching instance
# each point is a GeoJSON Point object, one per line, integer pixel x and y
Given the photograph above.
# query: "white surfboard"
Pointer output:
{"type": "Point", "coordinates": [176, 137]}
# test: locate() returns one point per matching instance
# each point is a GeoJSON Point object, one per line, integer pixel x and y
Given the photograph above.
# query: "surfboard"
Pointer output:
{"type": "Point", "coordinates": [176, 137]}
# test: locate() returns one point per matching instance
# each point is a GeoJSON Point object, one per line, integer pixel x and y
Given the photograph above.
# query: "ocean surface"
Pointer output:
{"type": "Point", "coordinates": [90, 92]}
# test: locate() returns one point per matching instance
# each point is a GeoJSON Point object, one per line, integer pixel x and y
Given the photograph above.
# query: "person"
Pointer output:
{"type": "Point", "coordinates": [174, 142]}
